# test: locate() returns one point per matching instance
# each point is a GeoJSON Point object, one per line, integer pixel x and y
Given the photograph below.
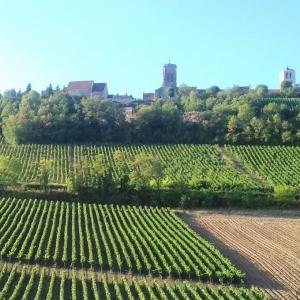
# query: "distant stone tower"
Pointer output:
{"type": "Point", "coordinates": [170, 75]}
{"type": "Point", "coordinates": [288, 75]}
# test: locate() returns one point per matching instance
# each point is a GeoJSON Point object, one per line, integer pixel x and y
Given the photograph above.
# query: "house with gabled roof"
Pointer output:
{"type": "Point", "coordinates": [87, 88]}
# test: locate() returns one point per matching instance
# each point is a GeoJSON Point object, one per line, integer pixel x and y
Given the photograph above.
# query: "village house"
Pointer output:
{"type": "Point", "coordinates": [87, 89]}
{"type": "Point", "coordinates": [124, 99]}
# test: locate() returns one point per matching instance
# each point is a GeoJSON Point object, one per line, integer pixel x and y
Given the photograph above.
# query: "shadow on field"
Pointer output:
{"type": "Point", "coordinates": [254, 275]}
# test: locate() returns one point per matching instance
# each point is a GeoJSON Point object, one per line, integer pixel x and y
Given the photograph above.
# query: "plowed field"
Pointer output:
{"type": "Point", "coordinates": [264, 245]}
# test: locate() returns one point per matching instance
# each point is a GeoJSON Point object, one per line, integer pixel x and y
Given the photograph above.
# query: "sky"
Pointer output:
{"type": "Point", "coordinates": [126, 42]}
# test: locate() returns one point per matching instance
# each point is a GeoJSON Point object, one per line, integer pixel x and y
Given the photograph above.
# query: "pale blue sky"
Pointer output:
{"type": "Point", "coordinates": [126, 42]}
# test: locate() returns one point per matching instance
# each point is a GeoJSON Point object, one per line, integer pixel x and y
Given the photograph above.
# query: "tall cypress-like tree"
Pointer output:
{"type": "Point", "coordinates": [50, 90]}
{"type": "Point", "coordinates": [28, 88]}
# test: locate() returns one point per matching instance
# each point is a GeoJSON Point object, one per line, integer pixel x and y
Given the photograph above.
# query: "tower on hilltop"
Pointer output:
{"type": "Point", "coordinates": [169, 85]}
{"type": "Point", "coordinates": [288, 75]}
{"type": "Point", "coordinates": [170, 75]}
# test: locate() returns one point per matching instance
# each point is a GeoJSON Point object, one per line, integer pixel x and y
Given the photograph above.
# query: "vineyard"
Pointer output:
{"type": "Point", "coordinates": [38, 284]}
{"type": "Point", "coordinates": [277, 165]}
{"type": "Point", "coordinates": [105, 237]}
{"type": "Point", "coordinates": [199, 166]}
{"type": "Point", "coordinates": [74, 245]}
{"type": "Point", "coordinates": [291, 103]}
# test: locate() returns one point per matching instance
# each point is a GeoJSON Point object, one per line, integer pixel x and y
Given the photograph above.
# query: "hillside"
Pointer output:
{"type": "Point", "coordinates": [88, 249]}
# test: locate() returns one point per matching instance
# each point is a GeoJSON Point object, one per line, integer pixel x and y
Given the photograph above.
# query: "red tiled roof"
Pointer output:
{"type": "Point", "coordinates": [80, 85]}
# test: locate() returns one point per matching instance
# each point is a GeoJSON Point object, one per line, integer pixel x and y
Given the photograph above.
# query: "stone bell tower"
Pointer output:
{"type": "Point", "coordinates": [288, 75]}
{"type": "Point", "coordinates": [170, 75]}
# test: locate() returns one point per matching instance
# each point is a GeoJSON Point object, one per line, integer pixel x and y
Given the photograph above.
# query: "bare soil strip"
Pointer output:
{"type": "Point", "coordinates": [266, 246]}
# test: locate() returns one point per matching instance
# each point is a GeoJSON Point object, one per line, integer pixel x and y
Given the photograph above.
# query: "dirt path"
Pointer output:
{"type": "Point", "coordinates": [265, 247]}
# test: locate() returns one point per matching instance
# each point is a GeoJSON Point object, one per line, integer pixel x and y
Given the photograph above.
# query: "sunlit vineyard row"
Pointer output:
{"type": "Point", "coordinates": [106, 237]}
{"type": "Point", "coordinates": [31, 155]}
{"type": "Point", "coordinates": [277, 165]}
{"type": "Point", "coordinates": [37, 284]}
{"type": "Point", "coordinates": [199, 166]}
{"type": "Point", "coordinates": [290, 103]}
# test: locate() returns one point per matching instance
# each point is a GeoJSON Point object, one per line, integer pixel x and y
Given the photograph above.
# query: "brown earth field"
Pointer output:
{"type": "Point", "coordinates": [263, 244]}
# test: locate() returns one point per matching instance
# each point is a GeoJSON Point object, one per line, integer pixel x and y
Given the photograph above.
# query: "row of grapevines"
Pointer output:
{"type": "Point", "coordinates": [118, 238]}
{"type": "Point", "coordinates": [31, 155]}
{"type": "Point", "coordinates": [199, 166]}
{"type": "Point", "coordinates": [40, 284]}
{"type": "Point", "coordinates": [278, 165]}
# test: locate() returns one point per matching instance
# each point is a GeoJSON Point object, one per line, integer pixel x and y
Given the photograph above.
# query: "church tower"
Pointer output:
{"type": "Point", "coordinates": [288, 75]}
{"type": "Point", "coordinates": [170, 75]}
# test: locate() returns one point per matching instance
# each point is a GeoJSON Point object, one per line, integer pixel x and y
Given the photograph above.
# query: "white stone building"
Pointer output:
{"type": "Point", "coordinates": [288, 75]}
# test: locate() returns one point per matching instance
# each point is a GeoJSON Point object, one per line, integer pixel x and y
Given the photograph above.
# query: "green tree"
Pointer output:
{"type": "Point", "coordinates": [171, 92]}
{"type": "Point", "coordinates": [285, 195]}
{"type": "Point", "coordinates": [158, 172]}
{"type": "Point", "coordinates": [261, 90]}
{"type": "Point", "coordinates": [245, 113]}
{"type": "Point", "coordinates": [160, 122]}
{"type": "Point", "coordinates": [44, 171]}
{"type": "Point", "coordinates": [212, 91]}
{"type": "Point", "coordinates": [233, 128]}
{"type": "Point", "coordinates": [10, 169]}
{"type": "Point", "coordinates": [50, 90]}
{"type": "Point", "coordinates": [122, 169]}
{"type": "Point", "coordinates": [28, 88]}
{"type": "Point", "coordinates": [30, 101]}
{"type": "Point", "coordinates": [102, 176]}
{"type": "Point", "coordinates": [194, 103]}
{"type": "Point", "coordinates": [10, 94]}
{"type": "Point", "coordinates": [271, 109]}
{"type": "Point", "coordinates": [286, 89]}
{"type": "Point", "coordinates": [146, 169]}
{"type": "Point", "coordinates": [287, 137]}
{"type": "Point", "coordinates": [103, 120]}
{"type": "Point", "coordinates": [76, 181]}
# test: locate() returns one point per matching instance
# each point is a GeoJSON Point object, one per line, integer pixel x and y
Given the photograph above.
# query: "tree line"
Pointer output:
{"type": "Point", "coordinates": [257, 117]}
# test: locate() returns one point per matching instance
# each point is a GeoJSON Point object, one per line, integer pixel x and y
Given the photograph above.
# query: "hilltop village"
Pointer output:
{"type": "Point", "coordinates": [85, 111]}
{"type": "Point", "coordinates": [168, 89]}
